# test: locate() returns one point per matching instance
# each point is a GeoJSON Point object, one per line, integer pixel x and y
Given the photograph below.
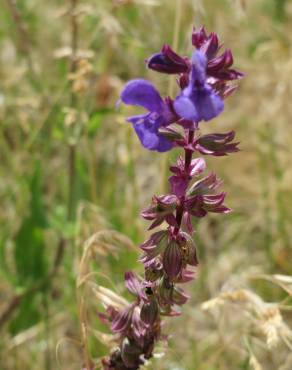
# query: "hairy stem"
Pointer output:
{"type": "Point", "coordinates": [188, 159]}
{"type": "Point", "coordinates": [188, 152]}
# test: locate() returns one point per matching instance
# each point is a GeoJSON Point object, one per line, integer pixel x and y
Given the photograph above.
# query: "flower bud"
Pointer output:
{"type": "Point", "coordinates": [199, 37]}
{"type": "Point", "coordinates": [161, 209]}
{"type": "Point", "coordinates": [164, 292]}
{"type": "Point", "coordinates": [217, 144]}
{"type": "Point", "coordinates": [204, 185]}
{"type": "Point", "coordinates": [172, 260]}
{"type": "Point", "coordinates": [130, 354]}
{"type": "Point", "coordinates": [188, 247]}
{"type": "Point", "coordinates": [154, 270]}
{"type": "Point", "coordinates": [167, 61]}
{"type": "Point", "coordinates": [211, 46]}
{"type": "Point", "coordinates": [149, 312]}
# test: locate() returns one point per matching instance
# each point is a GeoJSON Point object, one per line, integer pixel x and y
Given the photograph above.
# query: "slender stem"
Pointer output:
{"type": "Point", "coordinates": [179, 215]}
{"type": "Point", "coordinates": [71, 181]}
{"type": "Point", "coordinates": [47, 333]}
{"type": "Point", "coordinates": [72, 143]}
{"type": "Point", "coordinates": [23, 39]}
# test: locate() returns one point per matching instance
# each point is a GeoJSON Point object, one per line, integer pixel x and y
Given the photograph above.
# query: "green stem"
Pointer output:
{"type": "Point", "coordinates": [72, 143]}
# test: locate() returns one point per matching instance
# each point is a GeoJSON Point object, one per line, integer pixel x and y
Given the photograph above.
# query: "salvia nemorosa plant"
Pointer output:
{"type": "Point", "coordinates": [169, 255]}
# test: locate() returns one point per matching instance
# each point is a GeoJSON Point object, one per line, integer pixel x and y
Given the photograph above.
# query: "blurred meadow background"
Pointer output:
{"type": "Point", "coordinates": [71, 167]}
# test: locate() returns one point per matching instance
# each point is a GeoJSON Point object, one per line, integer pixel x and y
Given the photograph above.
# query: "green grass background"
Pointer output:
{"type": "Point", "coordinates": [115, 177]}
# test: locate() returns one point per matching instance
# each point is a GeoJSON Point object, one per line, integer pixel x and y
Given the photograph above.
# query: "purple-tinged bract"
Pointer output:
{"type": "Point", "coordinates": [167, 61]}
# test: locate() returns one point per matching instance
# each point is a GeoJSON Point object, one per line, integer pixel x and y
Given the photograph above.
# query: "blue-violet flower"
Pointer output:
{"type": "Point", "coordinates": [198, 101]}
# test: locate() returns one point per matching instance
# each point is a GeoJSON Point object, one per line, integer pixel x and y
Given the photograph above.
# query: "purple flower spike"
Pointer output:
{"type": "Point", "coordinates": [198, 101]}
{"type": "Point", "coordinates": [143, 93]}
{"type": "Point", "coordinates": [169, 255]}
{"type": "Point", "coordinates": [167, 61]}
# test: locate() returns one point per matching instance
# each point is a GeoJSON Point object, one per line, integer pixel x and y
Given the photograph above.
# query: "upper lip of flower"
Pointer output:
{"type": "Point", "coordinates": [198, 101]}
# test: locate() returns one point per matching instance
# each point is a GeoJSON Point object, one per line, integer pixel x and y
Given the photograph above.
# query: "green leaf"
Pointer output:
{"type": "Point", "coordinates": [4, 268]}
{"type": "Point", "coordinates": [29, 251]}
{"type": "Point", "coordinates": [28, 314]}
